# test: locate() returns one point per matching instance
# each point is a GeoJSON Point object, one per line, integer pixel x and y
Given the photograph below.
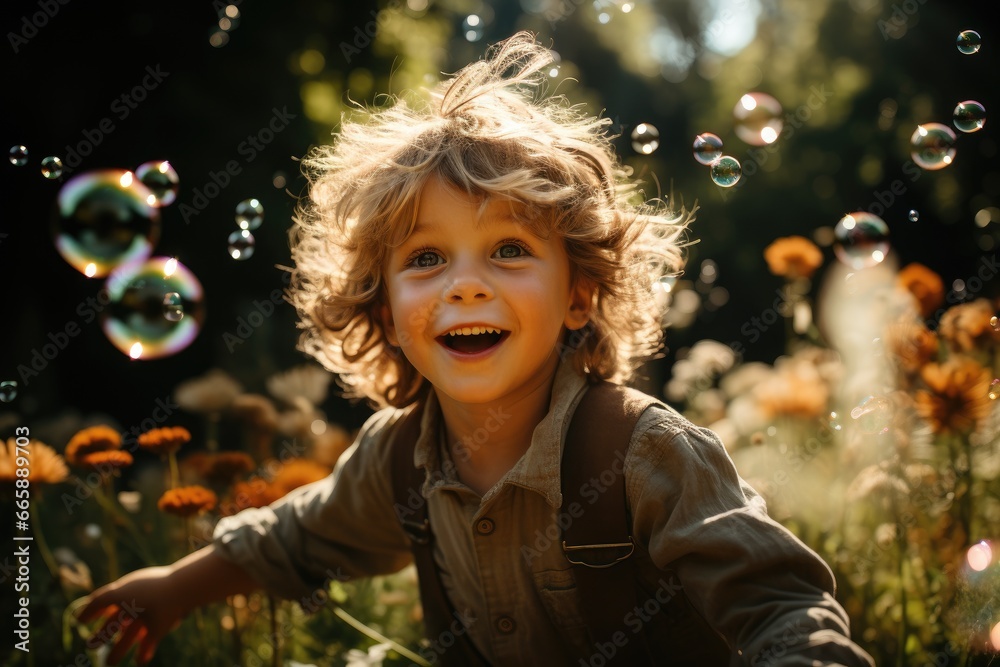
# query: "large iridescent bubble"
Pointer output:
{"type": "Point", "coordinates": [758, 119]}
{"type": "Point", "coordinates": [136, 321]}
{"type": "Point", "coordinates": [932, 146]}
{"type": "Point", "coordinates": [862, 240]}
{"type": "Point", "coordinates": [104, 220]}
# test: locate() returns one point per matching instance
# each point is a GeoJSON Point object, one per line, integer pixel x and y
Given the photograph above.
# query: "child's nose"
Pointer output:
{"type": "Point", "coordinates": [466, 284]}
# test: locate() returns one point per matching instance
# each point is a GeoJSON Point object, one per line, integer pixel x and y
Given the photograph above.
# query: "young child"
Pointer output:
{"type": "Point", "coordinates": [479, 261]}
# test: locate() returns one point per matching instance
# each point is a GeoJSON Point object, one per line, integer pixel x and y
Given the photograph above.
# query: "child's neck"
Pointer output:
{"type": "Point", "coordinates": [486, 440]}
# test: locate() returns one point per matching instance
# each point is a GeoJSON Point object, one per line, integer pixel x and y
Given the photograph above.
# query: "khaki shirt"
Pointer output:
{"type": "Point", "coordinates": [697, 525]}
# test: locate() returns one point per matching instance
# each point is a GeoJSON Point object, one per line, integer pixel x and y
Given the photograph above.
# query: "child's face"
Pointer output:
{"type": "Point", "coordinates": [458, 272]}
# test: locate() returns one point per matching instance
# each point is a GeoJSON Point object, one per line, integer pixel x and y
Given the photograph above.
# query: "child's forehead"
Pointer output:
{"type": "Point", "coordinates": [439, 200]}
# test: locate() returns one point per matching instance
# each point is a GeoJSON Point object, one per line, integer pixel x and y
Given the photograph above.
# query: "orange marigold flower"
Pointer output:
{"type": "Point", "coordinates": [187, 501]}
{"type": "Point", "coordinates": [164, 441]}
{"type": "Point", "coordinates": [967, 327]}
{"type": "Point", "coordinates": [956, 400]}
{"type": "Point", "coordinates": [224, 467]}
{"type": "Point", "coordinates": [793, 257]}
{"type": "Point", "coordinates": [298, 472]}
{"type": "Point", "coordinates": [45, 466]}
{"type": "Point", "coordinates": [106, 460]}
{"type": "Point", "coordinates": [925, 286]}
{"type": "Point", "coordinates": [90, 440]}
{"type": "Point", "coordinates": [911, 343]}
{"type": "Point", "coordinates": [255, 493]}
{"type": "Point", "coordinates": [797, 389]}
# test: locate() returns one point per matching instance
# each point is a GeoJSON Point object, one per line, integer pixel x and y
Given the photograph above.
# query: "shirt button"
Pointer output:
{"type": "Point", "coordinates": [485, 526]}
{"type": "Point", "coordinates": [506, 625]}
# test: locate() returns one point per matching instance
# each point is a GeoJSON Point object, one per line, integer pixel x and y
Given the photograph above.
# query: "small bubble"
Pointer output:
{"type": "Point", "coordinates": [995, 323]}
{"type": "Point", "coordinates": [279, 180]}
{"type": "Point", "coordinates": [994, 392]}
{"type": "Point", "coordinates": [932, 146]}
{"type": "Point", "coordinates": [645, 138]}
{"type": "Point", "coordinates": [861, 240]}
{"type": "Point", "coordinates": [707, 148]}
{"type": "Point", "coordinates": [833, 421]}
{"type": "Point", "coordinates": [52, 167]}
{"type": "Point", "coordinates": [249, 214]}
{"type": "Point", "coordinates": [241, 244]}
{"type": "Point", "coordinates": [969, 116]}
{"type": "Point", "coordinates": [161, 179]}
{"type": "Point", "coordinates": [726, 171]}
{"type": "Point", "coordinates": [979, 556]}
{"type": "Point", "coordinates": [8, 391]}
{"type": "Point", "coordinates": [758, 119]}
{"type": "Point", "coordinates": [472, 28]}
{"type": "Point", "coordinates": [913, 215]}
{"type": "Point", "coordinates": [173, 306]}
{"type": "Point", "coordinates": [968, 42]}
{"type": "Point", "coordinates": [873, 414]}
{"type": "Point", "coordinates": [18, 156]}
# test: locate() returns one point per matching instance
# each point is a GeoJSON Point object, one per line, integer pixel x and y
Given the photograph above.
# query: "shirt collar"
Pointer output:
{"type": "Point", "coordinates": [538, 470]}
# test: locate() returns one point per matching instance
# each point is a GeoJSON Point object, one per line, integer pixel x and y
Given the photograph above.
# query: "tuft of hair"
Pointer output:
{"type": "Point", "coordinates": [492, 132]}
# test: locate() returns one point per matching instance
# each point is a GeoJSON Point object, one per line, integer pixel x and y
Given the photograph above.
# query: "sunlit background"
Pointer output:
{"type": "Point", "coordinates": [172, 135]}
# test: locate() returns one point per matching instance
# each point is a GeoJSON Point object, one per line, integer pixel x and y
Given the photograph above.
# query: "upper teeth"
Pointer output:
{"type": "Point", "coordinates": [472, 331]}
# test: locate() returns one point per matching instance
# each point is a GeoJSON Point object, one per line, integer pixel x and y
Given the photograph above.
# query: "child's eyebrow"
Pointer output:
{"type": "Point", "coordinates": [494, 220]}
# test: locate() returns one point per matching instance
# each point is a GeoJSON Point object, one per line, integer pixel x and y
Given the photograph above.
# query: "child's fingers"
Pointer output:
{"type": "Point", "coordinates": [92, 609]}
{"type": "Point", "coordinates": [147, 646]}
{"type": "Point", "coordinates": [128, 638]}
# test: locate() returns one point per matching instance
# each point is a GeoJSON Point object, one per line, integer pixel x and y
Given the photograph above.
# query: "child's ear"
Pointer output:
{"type": "Point", "coordinates": [388, 326]}
{"type": "Point", "coordinates": [581, 299]}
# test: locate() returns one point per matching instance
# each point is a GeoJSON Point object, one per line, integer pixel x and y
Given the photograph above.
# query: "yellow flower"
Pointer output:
{"type": "Point", "coordinates": [797, 389]}
{"type": "Point", "coordinates": [956, 400]}
{"type": "Point", "coordinates": [164, 441]}
{"type": "Point", "coordinates": [187, 501]}
{"type": "Point", "coordinates": [90, 440]}
{"type": "Point", "coordinates": [44, 465]}
{"type": "Point", "coordinates": [793, 257]}
{"type": "Point", "coordinates": [925, 286]}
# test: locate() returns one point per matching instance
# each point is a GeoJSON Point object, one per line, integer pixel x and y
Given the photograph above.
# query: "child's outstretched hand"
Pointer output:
{"type": "Point", "coordinates": [140, 608]}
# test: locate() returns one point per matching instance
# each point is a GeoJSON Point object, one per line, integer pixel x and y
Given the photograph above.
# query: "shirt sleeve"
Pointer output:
{"type": "Point", "coordinates": [341, 527]}
{"type": "Point", "coordinates": [766, 592]}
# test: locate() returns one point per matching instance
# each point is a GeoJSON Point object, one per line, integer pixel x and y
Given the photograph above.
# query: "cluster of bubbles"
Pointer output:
{"type": "Point", "coordinates": [51, 165]}
{"type": "Point", "coordinates": [725, 170]}
{"type": "Point", "coordinates": [249, 216]}
{"type": "Point", "coordinates": [106, 224]}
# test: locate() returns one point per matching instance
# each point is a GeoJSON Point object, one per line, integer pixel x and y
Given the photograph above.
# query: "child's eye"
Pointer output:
{"type": "Point", "coordinates": [511, 250]}
{"type": "Point", "coordinates": [423, 259]}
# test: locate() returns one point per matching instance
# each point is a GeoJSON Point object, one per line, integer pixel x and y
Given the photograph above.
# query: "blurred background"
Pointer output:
{"type": "Point", "coordinates": [852, 78]}
{"type": "Point", "coordinates": [818, 100]}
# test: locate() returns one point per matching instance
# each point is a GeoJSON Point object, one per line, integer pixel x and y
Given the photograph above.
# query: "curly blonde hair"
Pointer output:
{"type": "Point", "coordinates": [491, 132]}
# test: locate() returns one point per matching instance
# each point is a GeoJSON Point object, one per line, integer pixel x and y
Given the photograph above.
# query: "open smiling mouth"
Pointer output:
{"type": "Point", "coordinates": [473, 343]}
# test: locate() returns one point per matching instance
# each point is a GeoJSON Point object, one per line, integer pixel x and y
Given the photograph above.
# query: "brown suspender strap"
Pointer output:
{"type": "Point", "coordinates": [440, 619]}
{"type": "Point", "coordinates": [599, 543]}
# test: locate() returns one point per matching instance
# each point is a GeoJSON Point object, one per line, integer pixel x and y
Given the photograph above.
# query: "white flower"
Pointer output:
{"type": "Point", "coordinates": [307, 381]}
{"type": "Point", "coordinates": [212, 392]}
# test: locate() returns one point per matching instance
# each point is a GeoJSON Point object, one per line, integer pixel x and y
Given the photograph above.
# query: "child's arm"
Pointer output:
{"type": "Point", "coordinates": [147, 604]}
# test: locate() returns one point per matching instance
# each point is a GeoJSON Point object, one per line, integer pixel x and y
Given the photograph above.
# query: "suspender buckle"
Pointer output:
{"type": "Point", "coordinates": [599, 563]}
{"type": "Point", "coordinates": [419, 532]}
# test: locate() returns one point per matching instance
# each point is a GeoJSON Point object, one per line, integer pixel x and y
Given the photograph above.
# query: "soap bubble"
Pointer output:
{"type": "Point", "coordinates": [8, 391]}
{"type": "Point", "coordinates": [645, 138]}
{"type": "Point", "coordinates": [873, 414]}
{"type": "Point", "coordinates": [472, 28]}
{"type": "Point", "coordinates": [933, 146]}
{"type": "Point", "coordinates": [134, 319]}
{"type": "Point", "coordinates": [861, 240]}
{"type": "Point", "coordinates": [161, 179]}
{"type": "Point", "coordinates": [968, 42]}
{"type": "Point", "coordinates": [913, 215]}
{"type": "Point", "coordinates": [103, 220]}
{"type": "Point", "coordinates": [758, 119]}
{"type": "Point", "coordinates": [726, 171]}
{"type": "Point", "coordinates": [707, 148]}
{"type": "Point", "coordinates": [249, 214]}
{"type": "Point", "coordinates": [241, 244]}
{"type": "Point", "coordinates": [979, 556]}
{"type": "Point", "coordinates": [18, 156]}
{"type": "Point", "coordinates": [52, 167]}
{"type": "Point", "coordinates": [969, 116]}
{"type": "Point", "coordinates": [173, 306]}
